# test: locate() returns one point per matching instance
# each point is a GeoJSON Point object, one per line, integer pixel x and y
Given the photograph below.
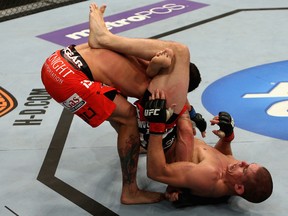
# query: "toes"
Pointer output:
{"type": "Point", "coordinates": [103, 8]}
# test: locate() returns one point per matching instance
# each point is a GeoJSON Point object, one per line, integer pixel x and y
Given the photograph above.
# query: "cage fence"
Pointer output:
{"type": "Point", "coordinates": [11, 9]}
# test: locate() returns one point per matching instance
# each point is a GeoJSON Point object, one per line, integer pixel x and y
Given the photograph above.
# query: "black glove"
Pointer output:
{"type": "Point", "coordinates": [155, 113]}
{"type": "Point", "coordinates": [200, 122]}
{"type": "Point", "coordinates": [226, 123]}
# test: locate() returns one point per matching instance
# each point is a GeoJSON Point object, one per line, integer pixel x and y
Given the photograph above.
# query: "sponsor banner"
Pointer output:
{"type": "Point", "coordinates": [256, 97]}
{"type": "Point", "coordinates": [73, 103]}
{"type": "Point", "coordinates": [34, 108]}
{"type": "Point", "coordinates": [7, 102]}
{"type": "Point", "coordinates": [124, 21]}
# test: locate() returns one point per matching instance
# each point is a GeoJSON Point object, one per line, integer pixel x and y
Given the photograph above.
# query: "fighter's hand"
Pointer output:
{"type": "Point", "coordinates": [226, 124]}
{"type": "Point", "coordinates": [199, 121]}
{"type": "Point", "coordinates": [172, 193]}
{"type": "Point", "coordinates": [172, 197]}
{"type": "Point", "coordinates": [155, 112]}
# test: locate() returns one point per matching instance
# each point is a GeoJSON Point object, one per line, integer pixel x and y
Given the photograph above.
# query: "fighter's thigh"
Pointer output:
{"type": "Point", "coordinates": [174, 80]}
{"type": "Point", "coordinates": [175, 88]}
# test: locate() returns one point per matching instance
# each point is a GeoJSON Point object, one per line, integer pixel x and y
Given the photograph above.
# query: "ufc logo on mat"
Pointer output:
{"type": "Point", "coordinates": [150, 112]}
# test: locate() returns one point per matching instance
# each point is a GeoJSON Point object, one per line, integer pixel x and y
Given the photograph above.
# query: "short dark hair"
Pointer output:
{"type": "Point", "coordinates": [259, 187]}
{"type": "Point", "coordinates": [194, 77]}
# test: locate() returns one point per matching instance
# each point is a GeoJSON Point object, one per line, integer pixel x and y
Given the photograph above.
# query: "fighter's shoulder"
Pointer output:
{"type": "Point", "coordinates": [203, 178]}
{"type": "Point", "coordinates": [199, 142]}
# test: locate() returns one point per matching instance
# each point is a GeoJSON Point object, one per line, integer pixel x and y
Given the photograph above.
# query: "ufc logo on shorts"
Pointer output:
{"type": "Point", "coordinates": [150, 112]}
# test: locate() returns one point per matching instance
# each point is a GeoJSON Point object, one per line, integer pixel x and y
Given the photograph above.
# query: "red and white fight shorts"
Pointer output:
{"type": "Point", "coordinates": [67, 78]}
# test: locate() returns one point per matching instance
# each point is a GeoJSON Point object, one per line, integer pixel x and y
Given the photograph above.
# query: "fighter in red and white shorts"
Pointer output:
{"type": "Point", "coordinates": [68, 79]}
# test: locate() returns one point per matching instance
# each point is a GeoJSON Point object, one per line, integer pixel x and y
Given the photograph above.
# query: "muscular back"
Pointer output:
{"type": "Point", "coordinates": [127, 74]}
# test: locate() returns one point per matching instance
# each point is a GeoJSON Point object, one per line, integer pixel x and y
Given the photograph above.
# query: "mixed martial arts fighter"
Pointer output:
{"type": "Point", "coordinates": [213, 172]}
{"type": "Point", "coordinates": [93, 83]}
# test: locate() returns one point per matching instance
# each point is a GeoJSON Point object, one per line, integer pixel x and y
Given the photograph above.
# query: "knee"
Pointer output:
{"type": "Point", "coordinates": [131, 112]}
{"type": "Point", "coordinates": [181, 50]}
{"type": "Point", "coordinates": [130, 117]}
{"type": "Point", "coordinates": [184, 52]}
{"type": "Point", "coordinates": [124, 116]}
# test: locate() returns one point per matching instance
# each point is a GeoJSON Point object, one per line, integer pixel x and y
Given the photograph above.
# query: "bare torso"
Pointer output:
{"type": "Point", "coordinates": [203, 151]}
{"type": "Point", "coordinates": [126, 74]}
{"type": "Point", "coordinates": [206, 155]}
{"type": "Point", "coordinates": [213, 165]}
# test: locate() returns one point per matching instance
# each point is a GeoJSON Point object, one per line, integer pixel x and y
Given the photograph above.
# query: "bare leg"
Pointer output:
{"type": "Point", "coordinates": [169, 60]}
{"type": "Point", "coordinates": [124, 122]}
{"type": "Point", "coordinates": [174, 80]}
{"type": "Point", "coordinates": [160, 61]}
{"type": "Point", "coordinates": [98, 31]}
{"type": "Point", "coordinates": [100, 37]}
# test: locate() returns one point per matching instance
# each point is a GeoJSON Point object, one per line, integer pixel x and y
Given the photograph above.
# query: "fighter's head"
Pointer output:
{"type": "Point", "coordinates": [195, 77]}
{"type": "Point", "coordinates": [259, 186]}
{"type": "Point", "coordinates": [252, 181]}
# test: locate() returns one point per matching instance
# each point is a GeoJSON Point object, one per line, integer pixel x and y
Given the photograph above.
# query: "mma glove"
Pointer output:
{"type": "Point", "coordinates": [155, 113]}
{"type": "Point", "coordinates": [226, 124]}
{"type": "Point", "coordinates": [197, 118]}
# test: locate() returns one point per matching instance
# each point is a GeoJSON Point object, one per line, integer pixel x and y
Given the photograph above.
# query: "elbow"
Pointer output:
{"type": "Point", "coordinates": [151, 174]}
{"type": "Point", "coordinates": [185, 126]}
{"type": "Point", "coordinates": [156, 175]}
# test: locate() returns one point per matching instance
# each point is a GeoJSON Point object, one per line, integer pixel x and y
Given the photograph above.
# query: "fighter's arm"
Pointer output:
{"type": "Point", "coordinates": [225, 133]}
{"type": "Point", "coordinates": [177, 174]}
{"type": "Point", "coordinates": [158, 169]}
{"type": "Point", "coordinates": [186, 131]}
{"type": "Point", "coordinates": [185, 138]}
{"type": "Point", "coordinates": [197, 119]}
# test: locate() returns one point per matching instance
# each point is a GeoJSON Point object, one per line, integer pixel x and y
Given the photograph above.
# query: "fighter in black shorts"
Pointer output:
{"type": "Point", "coordinates": [171, 129]}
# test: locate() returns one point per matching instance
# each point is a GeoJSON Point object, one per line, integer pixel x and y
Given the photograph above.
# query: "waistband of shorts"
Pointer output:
{"type": "Point", "coordinates": [76, 60]}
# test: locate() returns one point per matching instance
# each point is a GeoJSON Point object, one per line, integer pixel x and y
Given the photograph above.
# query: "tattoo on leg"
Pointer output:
{"type": "Point", "coordinates": [129, 159]}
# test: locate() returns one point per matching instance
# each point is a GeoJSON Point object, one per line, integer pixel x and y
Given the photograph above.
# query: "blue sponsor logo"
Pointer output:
{"type": "Point", "coordinates": [256, 97]}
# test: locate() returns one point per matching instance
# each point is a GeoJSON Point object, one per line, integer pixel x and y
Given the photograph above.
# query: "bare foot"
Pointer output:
{"type": "Point", "coordinates": [98, 30]}
{"type": "Point", "coordinates": [141, 197]}
{"type": "Point", "coordinates": [163, 58]}
{"type": "Point", "coordinates": [160, 61]}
